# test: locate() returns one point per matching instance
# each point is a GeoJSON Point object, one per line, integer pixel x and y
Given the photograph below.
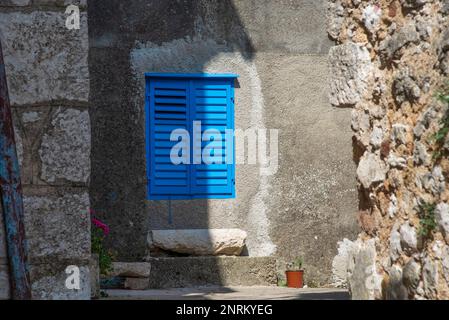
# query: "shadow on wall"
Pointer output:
{"type": "Point", "coordinates": [127, 39]}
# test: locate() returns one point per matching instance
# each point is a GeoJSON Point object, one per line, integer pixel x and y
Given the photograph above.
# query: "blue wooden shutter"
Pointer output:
{"type": "Point", "coordinates": [168, 111]}
{"type": "Point", "coordinates": [212, 104]}
{"type": "Point", "coordinates": [175, 101]}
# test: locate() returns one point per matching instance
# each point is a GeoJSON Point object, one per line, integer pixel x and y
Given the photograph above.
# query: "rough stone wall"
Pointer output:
{"type": "Point", "coordinates": [48, 79]}
{"type": "Point", "coordinates": [390, 61]}
{"type": "Point", "coordinates": [280, 49]}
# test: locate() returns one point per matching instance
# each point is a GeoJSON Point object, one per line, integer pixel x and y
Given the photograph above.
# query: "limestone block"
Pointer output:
{"type": "Point", "coordinates": [131, 269]}
{"type": "Point", "coordinates": [360, 121]}
{"type": "Point", "coordinates": [405, 88]}
{"type": "Point", "coordinates": [425, 120]}
{"type": "Point", "coordinates": [411, 275]}
{"type": "Point", "coordinates": [409, 240]}
{"type": "Point", "coordinates": [399, 133]}
{"type": "Point", "coordinates": [396, 162]}
{"type": "Point", "coordinates": [395, 289]}
{"type": "Point", "coordinates": [371, 169]}
{"type": "Point", "coordinates": [201, 241]}
{"type": "Point", "coordinates": [49, 281]}
{"type": "Point", "coordinates": [137, 283]}
{"type": "Point", "coordinates": [65, 148]}
{"type": "Point", "coordinates": [58, 226]}
{"type": "Point", "coordinates": [392, 44]}
{"type": "Point", "coordinates": [44, 60]}
{"type": "Point", "coordinates": [393, 207]}
{"type": "Point", "coordinates": [442, 217]}
{"type": "Point", "coordinates": [445, 263]}
{"type": "Point", "coordinates": [340, 263]}
{"type": "Point", "coordinates": [377, 137]}
{"type": "Point", "coordinates": [350, 71]}
{"type": "Point", "coordinates": [371, 18]}
{"type": "Point", "coordinates": [363, 279]}
{"type": "Point", "coordinates": [395, 243]}
{"type": "Point", "coordinates": [335, 18]}
{"type": "Point", "coordinates": [430, 277]}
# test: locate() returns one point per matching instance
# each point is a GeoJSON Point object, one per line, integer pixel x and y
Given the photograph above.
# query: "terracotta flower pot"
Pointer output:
{"type": "Point", "coordinates": [295, 279]}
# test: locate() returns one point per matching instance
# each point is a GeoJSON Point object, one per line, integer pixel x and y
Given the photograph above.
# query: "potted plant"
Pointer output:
{"type": "Point", "coordinates": [295, 274]}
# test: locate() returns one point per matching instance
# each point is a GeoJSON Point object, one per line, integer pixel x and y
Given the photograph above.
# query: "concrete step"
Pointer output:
{"type": "Point", "coordinates": [181, 272]}
{"type": "Point", "coordinates": [230, 293]}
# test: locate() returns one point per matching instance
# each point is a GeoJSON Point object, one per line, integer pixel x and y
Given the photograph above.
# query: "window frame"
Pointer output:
{"type": "Point", "coordinates": [228, 79]}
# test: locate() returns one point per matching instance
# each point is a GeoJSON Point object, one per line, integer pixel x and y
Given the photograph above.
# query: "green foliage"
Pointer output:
{"type": "Point", "coordinates": [281, 280]}
{"type": "Point", "coordinates": [105, 257]}
{"type": "Point", "coordinates": [296, 264]}
{"type": "Point", "coordinates": [440, 136]}
{"type": "Point", "coordinates": [444, 96]}
{"type": "Point", "coordinates": [427, 221]}
{"type": "Point", "coordinates": [282, 283]}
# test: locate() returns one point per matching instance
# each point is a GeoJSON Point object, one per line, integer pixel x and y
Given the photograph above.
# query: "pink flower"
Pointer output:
{"type": "Point", "coordinates": [101, 225]}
